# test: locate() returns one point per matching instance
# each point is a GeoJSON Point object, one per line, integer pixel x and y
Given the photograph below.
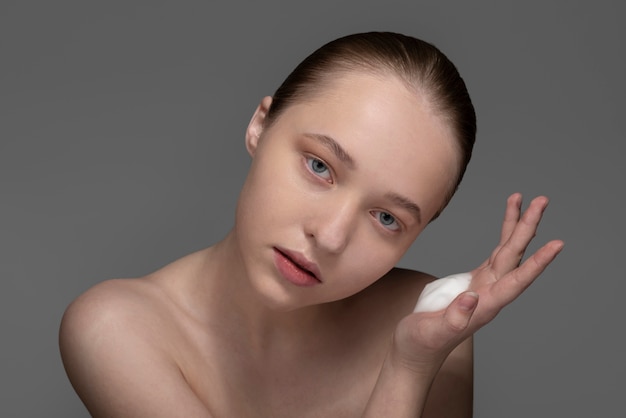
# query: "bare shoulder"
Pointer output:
{"type": "Point", "coordinates": [376, 310]}
{"type": "Point", "coordinates": [119, 308]}
{"type": "Point", "coordinates": [108, 303]}
{"type": "Point", "coordinates": [399, 288]}
{"type": "Point", "coordinates": [405, 279]}
{"type": "Point", "coordinates": [113, 346]}
{"type": "Point", "coordinates": [408, 277]}
{"type": "Point", "coordinates": [110, 295]}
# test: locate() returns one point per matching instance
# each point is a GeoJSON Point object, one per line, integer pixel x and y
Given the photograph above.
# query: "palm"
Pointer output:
{"type": "Point", "coordinates": [497, 282]}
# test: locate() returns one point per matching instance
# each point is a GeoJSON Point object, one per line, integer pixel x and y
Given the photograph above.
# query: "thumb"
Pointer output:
{"type": "Point", "coordinates": [459, 313]}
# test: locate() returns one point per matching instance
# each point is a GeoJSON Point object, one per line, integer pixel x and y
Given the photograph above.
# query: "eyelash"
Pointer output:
{"type": "Point", "coordinates": [312, 160]}
{"type": "Point", "coordinates": [378, 213]}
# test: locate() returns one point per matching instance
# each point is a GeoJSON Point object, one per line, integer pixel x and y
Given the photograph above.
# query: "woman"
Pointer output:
{"type": "Point", "coordinates": [299, 310]}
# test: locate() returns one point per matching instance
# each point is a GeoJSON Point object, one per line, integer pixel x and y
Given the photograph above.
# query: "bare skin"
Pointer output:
{"type": "Point", "coordinates": [152, 355]}
{"type": "Point", "coordinates": [224, 333]}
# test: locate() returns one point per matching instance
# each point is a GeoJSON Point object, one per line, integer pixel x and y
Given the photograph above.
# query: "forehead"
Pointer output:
{"type": "Point", "coordinates": [399, 110]}
{"type": "Point", "coordinates": [394, 135]}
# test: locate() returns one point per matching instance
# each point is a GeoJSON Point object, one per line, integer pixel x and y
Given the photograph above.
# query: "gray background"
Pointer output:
{"type": "Point", "coordinates": [121, 149]}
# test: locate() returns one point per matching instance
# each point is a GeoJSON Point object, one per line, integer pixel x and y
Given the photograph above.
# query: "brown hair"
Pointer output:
{"type": "Point", "coordinates": [423, 67]}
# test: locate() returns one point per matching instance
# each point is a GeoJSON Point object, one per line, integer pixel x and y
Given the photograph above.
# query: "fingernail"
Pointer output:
{"type": "Point", "coordinates": [469, 301]}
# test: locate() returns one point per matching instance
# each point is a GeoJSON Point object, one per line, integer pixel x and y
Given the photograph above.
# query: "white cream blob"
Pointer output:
{"type": "Point", "coordinates": [439, 293]}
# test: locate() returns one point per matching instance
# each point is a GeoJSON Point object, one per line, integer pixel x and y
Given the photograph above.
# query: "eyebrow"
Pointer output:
{"type": "Point", "coordinates": [406, 203]}
{"type": "Point", "coordinates": [334, 147]}
{"type": "Point", "coordinates": [343, 156]}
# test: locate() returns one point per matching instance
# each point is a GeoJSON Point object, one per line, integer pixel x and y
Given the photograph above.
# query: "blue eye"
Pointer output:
{"type": "Point", "coordinates": [318, 167]}
{"type": "Point", "coordinates": [387, 220]}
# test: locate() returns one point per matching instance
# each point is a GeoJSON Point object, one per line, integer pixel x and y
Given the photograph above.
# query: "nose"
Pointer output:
{"type": "Point", "coordinates": [332, 227]}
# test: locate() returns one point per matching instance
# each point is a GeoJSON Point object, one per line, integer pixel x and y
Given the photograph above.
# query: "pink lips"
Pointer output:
{"type": "Point", "coordinates": [296, 268]}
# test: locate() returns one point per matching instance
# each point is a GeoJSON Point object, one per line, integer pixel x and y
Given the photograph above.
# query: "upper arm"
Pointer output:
{"type": "Point", "coordinates": [452, 391]}
{"type": "Point", "coordinates": [115, 360]}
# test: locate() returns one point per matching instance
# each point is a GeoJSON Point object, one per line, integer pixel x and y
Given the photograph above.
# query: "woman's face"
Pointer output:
{"type": "Point", "coordinates": [341, 185]}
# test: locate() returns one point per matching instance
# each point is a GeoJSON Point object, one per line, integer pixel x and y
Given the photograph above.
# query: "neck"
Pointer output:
{"type": "Point", "coordinates": [246, 315]}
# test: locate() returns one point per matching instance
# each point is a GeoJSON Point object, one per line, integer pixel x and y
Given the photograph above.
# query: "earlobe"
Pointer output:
{"type": "Point", "coordinates": [255, 127]}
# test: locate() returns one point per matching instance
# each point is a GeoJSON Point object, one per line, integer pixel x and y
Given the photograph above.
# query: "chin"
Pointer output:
{"type": "Point", "coordinates": [279, 297]}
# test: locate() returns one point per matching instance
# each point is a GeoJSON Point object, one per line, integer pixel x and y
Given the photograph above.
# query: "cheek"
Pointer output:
{"type": "Point", "coordinates": [269, 194]}
{"type": "Point", "coordinates": [366, 261]}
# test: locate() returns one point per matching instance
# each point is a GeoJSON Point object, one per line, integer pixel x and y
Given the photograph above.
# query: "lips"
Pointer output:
{"type": "Point", "coordinates": [296, 268]}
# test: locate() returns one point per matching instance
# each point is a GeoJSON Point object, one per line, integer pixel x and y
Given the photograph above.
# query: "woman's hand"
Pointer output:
{"type": "Point", "coordinates": [422, 341]}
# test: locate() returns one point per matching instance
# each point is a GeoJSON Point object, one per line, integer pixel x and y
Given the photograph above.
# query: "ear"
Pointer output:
{"type": "Point", "coordinates": [255, 127]}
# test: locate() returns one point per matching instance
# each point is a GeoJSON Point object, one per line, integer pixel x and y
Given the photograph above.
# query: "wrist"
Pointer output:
{"type": "Point", "coordinates": [414, 359]}
{"type": "Point", "coordinates": [401, 389]}
{"type": "Point", "coordinates": [413, 365]}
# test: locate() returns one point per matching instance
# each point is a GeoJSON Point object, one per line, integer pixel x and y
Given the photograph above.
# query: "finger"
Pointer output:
{"type": "Point", "coordinates": [510, 254]}
{"type": "Point", "coordinates": [434, 331]}
{"type": "Point", "coordinates": [511, 218]}
{"type": "Point", "coordinates": [458, 314]}
{"type": "Point", "coordinates": [441, 331]}
{"type": "Point", "coordinates": [508, 288]}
